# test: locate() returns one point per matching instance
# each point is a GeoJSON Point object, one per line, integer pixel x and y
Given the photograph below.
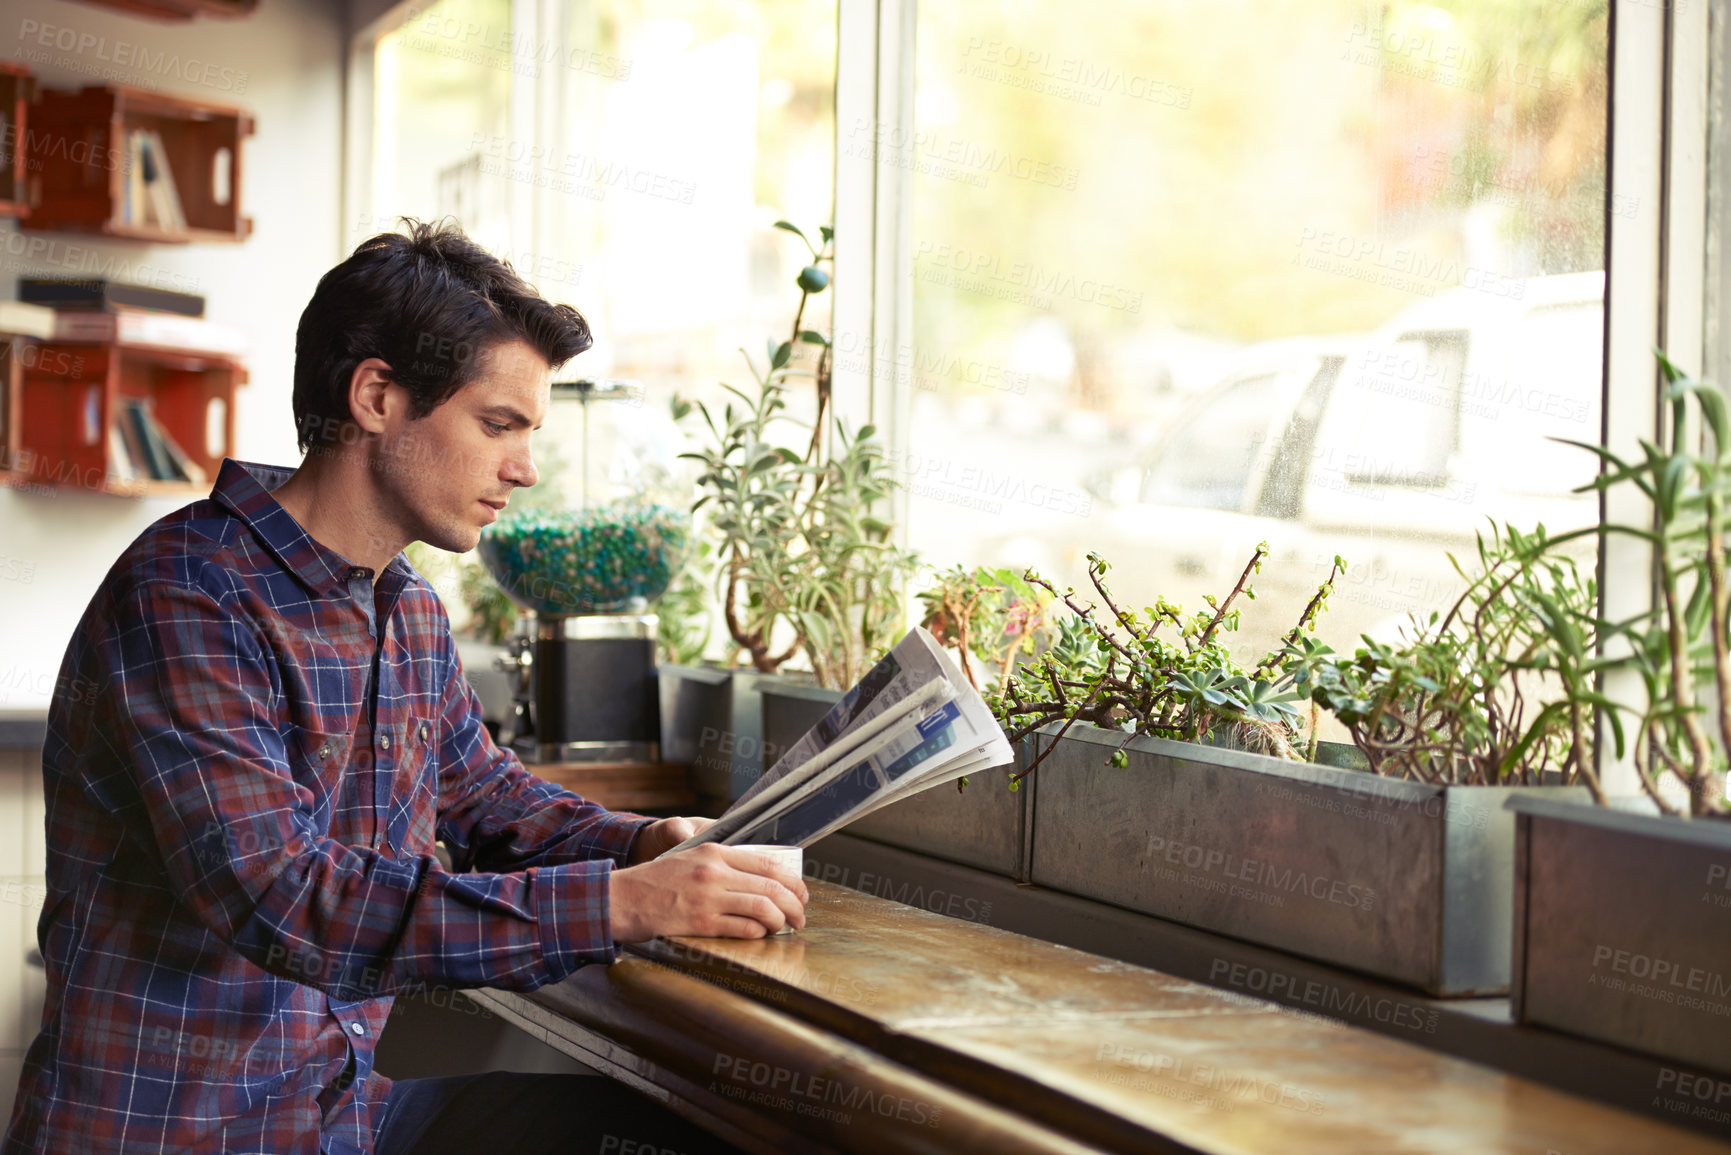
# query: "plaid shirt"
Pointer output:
{"type": "Point", "coordinates": [250, 755]}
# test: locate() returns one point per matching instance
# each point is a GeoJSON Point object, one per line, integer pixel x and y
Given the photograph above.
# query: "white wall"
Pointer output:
{"type": "Point", "coordinates": [284, 64]}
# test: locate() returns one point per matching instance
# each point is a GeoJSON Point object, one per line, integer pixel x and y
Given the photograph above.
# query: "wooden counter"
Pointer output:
{"type": "Point", "coordinates": [882, 1027]}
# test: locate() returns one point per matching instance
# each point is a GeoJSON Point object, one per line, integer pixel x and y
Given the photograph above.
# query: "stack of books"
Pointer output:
{"type": "Point", "coordinates": [149, 195]}
{"type": "Point", "coordinates": [135, 316]}
{"type": "Point", "coordinates": [140, 448]}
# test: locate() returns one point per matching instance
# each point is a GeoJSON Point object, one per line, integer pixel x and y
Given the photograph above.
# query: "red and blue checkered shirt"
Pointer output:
{"type": "Point", "coordinates": [251, 753]}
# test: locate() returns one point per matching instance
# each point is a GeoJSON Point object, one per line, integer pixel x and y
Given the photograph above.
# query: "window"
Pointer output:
{"type": "Point", "coordinates": [628, 156]}
{"type": "Point", "coordinates": [1119, 210]}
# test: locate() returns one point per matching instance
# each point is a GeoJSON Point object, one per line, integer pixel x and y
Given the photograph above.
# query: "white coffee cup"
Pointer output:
{"type": "Point", "coordinates": [791, 860]}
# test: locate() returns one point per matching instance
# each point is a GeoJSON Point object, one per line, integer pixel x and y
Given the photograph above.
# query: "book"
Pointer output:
{"type": "Point", "coordinates": [163, 199]}
{"type": "Point", "coordinates": [912, 723]}
{"type": "Point", "coordinates": [99, 293]}
{"type": "Point", "coordinates": [138, 327]}
{"type": "Point", "coordinates": [185, 466]}
{"type": "Point", "coordinates": [132, 210]}
{"type": "Point", "coordinates": [134, 451]}
{"type": "Point", "coordinates": [26, 319]}
{"type": "Point", "coordinates": [150, 435]}
{"type": "Point", "coordinates": [121, 464]}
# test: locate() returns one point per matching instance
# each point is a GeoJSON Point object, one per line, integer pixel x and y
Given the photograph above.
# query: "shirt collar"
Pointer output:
{"type": "Point", "coordinates": [245, 488]}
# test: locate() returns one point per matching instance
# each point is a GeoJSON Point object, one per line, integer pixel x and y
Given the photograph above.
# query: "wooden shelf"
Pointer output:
{"type": "Point", "coordinates": [181, 9]}
{"type": "Point", "coordinates": [84, 163]}
{"type": "Point", "coordinates": [16, 89]}
{"type": "Point", "coordinates": [64, 396]}
{"type": "Point", "coordinates": [622, 785]}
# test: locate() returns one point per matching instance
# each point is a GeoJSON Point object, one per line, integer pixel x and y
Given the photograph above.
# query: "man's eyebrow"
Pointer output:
{"type": "Point", "coordinates": [507, 411]}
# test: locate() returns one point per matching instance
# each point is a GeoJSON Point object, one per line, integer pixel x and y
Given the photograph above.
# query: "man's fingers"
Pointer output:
{"type": "Point", "coordinates": [765, 865]}
{"type": "Point", "coordinates": [773, 893]}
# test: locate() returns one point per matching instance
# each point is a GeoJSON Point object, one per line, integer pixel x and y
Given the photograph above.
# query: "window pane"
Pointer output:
{"type": "Point", "coordinates": [702, 124]}
{"type": "Point", "coordinates": [441, 81]}
{"type": "Point", "coordinates": [628, 156]}
{"type": "Point", "coordinates": [1189, 277]}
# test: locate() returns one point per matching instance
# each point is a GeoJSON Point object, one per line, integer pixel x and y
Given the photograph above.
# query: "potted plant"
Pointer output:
{"type": "Point", "coordinates": [1623, 920]}
{"type": "Point", "coordinates": [804, 569]}
{"type": "Point", "coordinates": [1172, 781]}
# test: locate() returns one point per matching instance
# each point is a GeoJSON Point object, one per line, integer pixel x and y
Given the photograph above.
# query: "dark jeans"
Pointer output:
{"type": "Point", "coordinates": [503, 1111]}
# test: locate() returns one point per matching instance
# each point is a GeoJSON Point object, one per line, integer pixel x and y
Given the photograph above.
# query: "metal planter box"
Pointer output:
{"type": "Point", "coordinates": [712, 719]}
{"type": "Point", "coordinates": [983, 826]}
{"type": "Point", "coordinates": [1623, 934]}
{"type": "Point", "coordinates": [1401, 880]}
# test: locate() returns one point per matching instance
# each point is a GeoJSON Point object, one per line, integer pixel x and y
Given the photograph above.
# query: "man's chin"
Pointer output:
{"type": "Point", "coordinates": [458, 541]}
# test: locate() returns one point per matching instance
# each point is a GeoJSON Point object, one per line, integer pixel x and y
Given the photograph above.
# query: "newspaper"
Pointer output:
{"type": "Point", "coordinates": [913, 722]}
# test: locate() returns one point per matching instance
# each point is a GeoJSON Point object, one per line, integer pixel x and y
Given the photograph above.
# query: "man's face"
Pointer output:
{"type": "Point", "coordinates": [452, 470]}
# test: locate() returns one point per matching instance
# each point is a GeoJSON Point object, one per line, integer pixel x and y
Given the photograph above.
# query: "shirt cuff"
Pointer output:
{"type": "Point", "coordinates": [612, 836]}
{"type": "Point", "coordinates": [573, 911]}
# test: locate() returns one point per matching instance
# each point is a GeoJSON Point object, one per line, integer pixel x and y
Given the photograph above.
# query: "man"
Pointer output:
{"type": "Point", "coordinates": [241, 827]}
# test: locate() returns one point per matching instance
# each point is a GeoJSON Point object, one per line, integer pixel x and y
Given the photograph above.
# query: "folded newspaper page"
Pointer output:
{"type": "Point", "coordinates": [913, 722]}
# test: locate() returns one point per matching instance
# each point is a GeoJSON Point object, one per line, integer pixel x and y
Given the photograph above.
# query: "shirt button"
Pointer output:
{"type": "Point", "coordinates": [424, 729]}
{"type": "Point", "coordinates": [325, 750]}
{"type": "Point", "coordinates": [356, 1028]}
{"type": "Point", "coordinates": [384, 741]}
{"type": "Point", "coordinates": [357, 573]}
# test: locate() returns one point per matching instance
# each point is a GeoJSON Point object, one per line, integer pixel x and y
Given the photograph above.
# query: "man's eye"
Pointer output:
{"type": "Point", "coordinates": [494, 428]}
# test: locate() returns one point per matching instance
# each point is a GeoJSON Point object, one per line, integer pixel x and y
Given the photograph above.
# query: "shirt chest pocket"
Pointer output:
{"type": "Point", "coordinates": [318, 762]}
{"type": "Point", "coordinates": [414, 793]}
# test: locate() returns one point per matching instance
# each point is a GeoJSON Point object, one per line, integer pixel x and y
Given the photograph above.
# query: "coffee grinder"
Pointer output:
{"type": "Point", "coordinates": [586, 551]}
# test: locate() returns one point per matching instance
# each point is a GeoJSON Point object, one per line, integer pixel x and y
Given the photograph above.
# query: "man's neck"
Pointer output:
{"type": "Point", "coordinates": [332, 498]}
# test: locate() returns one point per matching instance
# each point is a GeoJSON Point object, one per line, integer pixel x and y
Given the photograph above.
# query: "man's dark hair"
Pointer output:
{"type": "Point", "coordinates": [431, 304]}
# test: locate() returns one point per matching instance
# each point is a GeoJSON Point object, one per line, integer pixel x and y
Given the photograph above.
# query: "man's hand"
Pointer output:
{"type": "Point", "coordinates": [710, 890]}
{"type": "Point", "coordinates": [659, 837]}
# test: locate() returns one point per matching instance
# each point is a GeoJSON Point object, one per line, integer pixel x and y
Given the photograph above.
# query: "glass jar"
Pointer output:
{"type": "Point", "coordinates": [606, 527]}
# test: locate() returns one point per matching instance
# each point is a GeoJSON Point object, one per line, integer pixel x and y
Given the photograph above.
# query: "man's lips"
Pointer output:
{"type": "Point", "coordinates": [499, 505]}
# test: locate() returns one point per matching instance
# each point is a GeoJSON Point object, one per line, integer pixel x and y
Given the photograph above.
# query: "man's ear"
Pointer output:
{"type": "Point", "coordinates": [369, 395]}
